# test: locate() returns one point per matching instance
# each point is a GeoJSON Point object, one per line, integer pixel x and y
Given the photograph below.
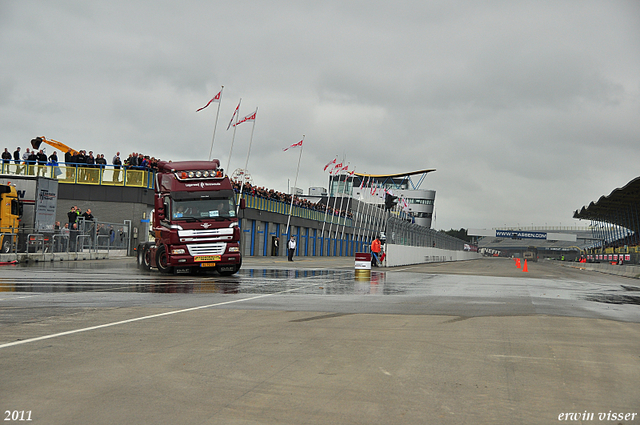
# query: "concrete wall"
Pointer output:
{"type": "Point", "coordinates": [632, 271]}
{"type": "Point", "coordinates": [400, 255]}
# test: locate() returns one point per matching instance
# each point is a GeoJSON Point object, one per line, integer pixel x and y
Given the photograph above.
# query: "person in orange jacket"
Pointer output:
{"type": "Point", "coordinates": [375, 251]}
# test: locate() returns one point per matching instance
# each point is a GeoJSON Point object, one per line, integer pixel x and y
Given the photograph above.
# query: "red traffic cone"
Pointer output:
{"type": "Point", "coordinates": [525, 269]}
{"type": "Point", "coordinates": [517, 263]}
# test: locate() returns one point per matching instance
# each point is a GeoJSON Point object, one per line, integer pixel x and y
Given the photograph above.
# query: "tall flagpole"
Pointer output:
{"type": "Point", "coordinates": [350, 196]}
{"type": "Point", "coordinates": [361, 234]}
{"type": "Point", "coordinates": [333, 212]}
{"type": "Point", "coordinates": [335, 236]}
{"type": "Point", "coordinates": [295, 183]}
{"type": "Point", "coordinates": [326, 210]}
{"type": "Point", "coordinates": [246, 163]}
{"type": "Point", "coordinates": [216, 124]}
{"type": "Point", "coordinates": [237, 112]}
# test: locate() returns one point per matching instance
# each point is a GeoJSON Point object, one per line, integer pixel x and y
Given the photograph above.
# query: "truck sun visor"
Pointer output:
{"type": "Point", "coordinates": [219, 194]}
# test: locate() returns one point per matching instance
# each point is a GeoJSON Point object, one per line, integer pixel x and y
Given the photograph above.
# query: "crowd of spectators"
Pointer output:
{"type": "Point", "coordinates": [85, 224]}
{"type": "Point", "coordinates": [38, 157]}
{"type": "Point", "coordinates": [145, 162]}
{"type": "Point", "coordinates": [274, 195]}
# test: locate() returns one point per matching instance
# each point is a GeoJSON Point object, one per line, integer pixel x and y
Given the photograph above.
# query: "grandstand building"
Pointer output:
{"type": "Point", "coordinates": [615, 222]}
{"type": "Point", "coordinates": [612, 234]}
{"type": "Point", "coordinates": [420, 203]}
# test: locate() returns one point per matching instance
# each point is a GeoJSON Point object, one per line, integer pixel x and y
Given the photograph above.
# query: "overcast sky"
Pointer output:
{"type": "Point", "coordinates": [528, 110]}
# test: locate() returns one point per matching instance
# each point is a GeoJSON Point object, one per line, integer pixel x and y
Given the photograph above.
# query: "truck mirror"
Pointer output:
{"type": "Point", "coordinates": [243, 204]}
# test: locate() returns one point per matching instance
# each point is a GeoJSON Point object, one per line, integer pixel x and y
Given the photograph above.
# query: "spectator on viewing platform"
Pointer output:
{"type": "Point", "coordinates": [282, 197]}
{"type": "Point", "coordinates": [32, 158]}
{"type": "Point", "coordinates": [100, 161]}
{"type": "Point", "coordinates": [6, 156]}
{"type": "Point", "coordinates": [117, 162]}
{"type": "Point", "coordinates": [41, 157]}
{"type": "Point", "coordinates": [53, 159]}
{"type": "Point", "coordinates": [16, 160]}
{"type": "Point", "coordinates": [90, 160]}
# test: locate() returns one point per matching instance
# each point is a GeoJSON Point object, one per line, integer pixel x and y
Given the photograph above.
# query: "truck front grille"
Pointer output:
{"type": "Point", "coordinates": [217, 248]}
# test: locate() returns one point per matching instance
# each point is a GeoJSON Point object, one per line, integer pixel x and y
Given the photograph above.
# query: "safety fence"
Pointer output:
{"type": "Point", "coordinates": [91, 236]}
{"type": "Point", "coordinates": [400, 232]}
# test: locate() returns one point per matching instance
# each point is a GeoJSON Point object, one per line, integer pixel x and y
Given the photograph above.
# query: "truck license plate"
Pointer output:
{"type": "Point", "coordinates": [207, 264]}
{"type": "Point", "coordinates": [207, 258]}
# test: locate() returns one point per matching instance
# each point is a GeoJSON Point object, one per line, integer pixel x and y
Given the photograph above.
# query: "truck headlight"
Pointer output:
{"type": "Point", "coordinates": [234, 249]}
{"type": "Point", "coordinates": [177, 251]}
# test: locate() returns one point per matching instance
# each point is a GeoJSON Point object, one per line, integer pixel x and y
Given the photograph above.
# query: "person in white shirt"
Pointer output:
{"type": "Point", "coordinates": [292, 247]}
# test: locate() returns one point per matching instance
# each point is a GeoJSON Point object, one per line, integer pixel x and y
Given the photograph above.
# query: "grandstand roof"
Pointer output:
{"type": "Point", "coordinates": [608, 208]}
{"type": "Point", "coordinates": [398, 177]}
{"type": "Point", "coordinates": [410, 173]}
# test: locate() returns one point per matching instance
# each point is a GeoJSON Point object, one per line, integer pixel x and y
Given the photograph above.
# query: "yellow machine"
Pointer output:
{"type": "Point", "coordinates": [10, 213]}
{"type": "Point", "coordinates": [35, 143]}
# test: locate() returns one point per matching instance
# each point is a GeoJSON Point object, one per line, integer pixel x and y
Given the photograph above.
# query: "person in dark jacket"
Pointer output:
{"type": "Point", "coordinates": [41, 157]}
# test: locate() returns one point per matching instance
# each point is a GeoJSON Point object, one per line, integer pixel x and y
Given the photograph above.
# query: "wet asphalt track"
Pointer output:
{"type": "Point", "coordinates": [306, 343]}
{"type": "Point", "coordinates": [468, 289]}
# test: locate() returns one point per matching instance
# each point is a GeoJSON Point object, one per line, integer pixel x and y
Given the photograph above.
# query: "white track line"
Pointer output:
{"type": "Point", "coordinates": [137, 319]}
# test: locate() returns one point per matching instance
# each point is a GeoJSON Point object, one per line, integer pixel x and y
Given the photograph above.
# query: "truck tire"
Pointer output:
{"type": "Point", "coordinates": [143, 257]}
{"type": "Point", "coordinates": [6, 245]}
{"type": "Point", "coordinates": [162, 260]}
{"type": "Point", "coordinates": [229, 273]}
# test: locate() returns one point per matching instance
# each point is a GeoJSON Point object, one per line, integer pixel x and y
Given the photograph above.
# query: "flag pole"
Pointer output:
{"type": "Point", "coordinates": [246, 163]}
{"type": "Point", "coordinates": [344, 191]}
{"type": "Point", "coordinates": [348, 202]}
{"type": "Point", "coordinates": [333, 209]}
{"type": "Point", "coordinates": [216, 124]}
{"type": "Point", "coordinates": [233, 138]}
{"type": "Point", "coordinates": [295, 183]}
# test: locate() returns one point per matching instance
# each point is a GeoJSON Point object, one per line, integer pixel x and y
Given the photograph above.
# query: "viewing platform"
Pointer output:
{"type": "Point", "coordinates": [81, 174]}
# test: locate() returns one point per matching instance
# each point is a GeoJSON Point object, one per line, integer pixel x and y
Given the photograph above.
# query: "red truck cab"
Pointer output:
{"type": "Point", "coordinates": [195, 221]}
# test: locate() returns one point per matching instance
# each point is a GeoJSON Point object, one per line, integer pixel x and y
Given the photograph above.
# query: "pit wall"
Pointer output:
{"type": "Point", "coordinates": [401, 255]}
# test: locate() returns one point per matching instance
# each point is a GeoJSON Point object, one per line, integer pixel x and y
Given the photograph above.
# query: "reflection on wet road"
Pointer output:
{"type": "Point", "coordinates": [323, 290]}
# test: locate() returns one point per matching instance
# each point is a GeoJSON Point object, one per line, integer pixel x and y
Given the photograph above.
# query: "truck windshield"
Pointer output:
{"type": "Point", "coordinates": [203, 209]}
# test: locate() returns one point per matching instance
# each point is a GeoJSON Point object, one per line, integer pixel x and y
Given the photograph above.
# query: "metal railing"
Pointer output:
{"type": "Point", "coordinates": [105, 175]}
{"type": "Point", "coordinates": [89, 236]}
{"type": "Point", "coordinates": [400, 232]}
{"type": "Point", "coordinates": [280, 207]}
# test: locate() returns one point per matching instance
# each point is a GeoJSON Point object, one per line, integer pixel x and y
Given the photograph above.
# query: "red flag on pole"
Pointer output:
{"type": "Point", "coordinates": [250, 117]}
{"type": "Point", "coordinates": [216, 98]}
{"type": "Point", "coordinates": [329, 163]}
{"type": "Point", "coordinates": [233, 116]}
{"type": "Point", "coordinates": [295, 145]}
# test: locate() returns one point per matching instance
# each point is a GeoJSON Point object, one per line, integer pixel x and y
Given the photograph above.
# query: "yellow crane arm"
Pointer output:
{"type": "Point", "coordinates": [35, 143]}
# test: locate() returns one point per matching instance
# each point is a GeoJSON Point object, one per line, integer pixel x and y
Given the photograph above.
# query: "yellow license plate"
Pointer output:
{"type": "Point", "coordinates": [207, 264]}
{"type": "Point", "coordinates": [207, 258]}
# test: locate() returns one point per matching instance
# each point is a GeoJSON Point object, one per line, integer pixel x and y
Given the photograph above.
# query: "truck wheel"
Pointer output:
{"type": "Point", "coordinates": [6, 245]}
{"type": "Point", "coordinates": [143, 257]}
{"type": "Point", "coordinates": [229, 273]}
{"type": "Point", "coordinates": [162, 260]}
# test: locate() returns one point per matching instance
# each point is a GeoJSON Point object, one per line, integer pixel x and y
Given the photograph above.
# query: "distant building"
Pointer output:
{"type": "Point", "coordinates": [371, 188]}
